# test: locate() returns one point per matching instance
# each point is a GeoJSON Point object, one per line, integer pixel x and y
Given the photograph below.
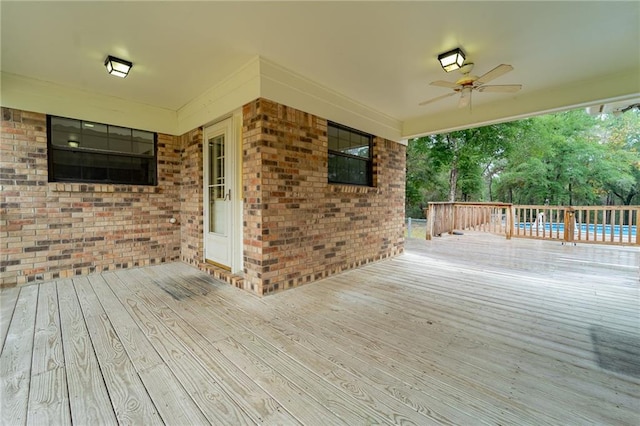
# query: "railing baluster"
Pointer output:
{"type": "Point", "coordinates": [579, 223]}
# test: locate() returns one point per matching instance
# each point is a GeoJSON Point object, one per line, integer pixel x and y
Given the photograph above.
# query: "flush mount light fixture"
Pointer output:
{"type": "Point", "coordinates": [118, 67]}
{"type": "Point", "coordinates": [451, 60]}
{"type": "Point", "coordinates": [73, 143]}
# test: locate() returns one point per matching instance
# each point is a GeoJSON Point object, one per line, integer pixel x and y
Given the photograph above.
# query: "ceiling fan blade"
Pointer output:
{"type": "Point", "coordinates": [436, 99]}
{"type": "Point", "coordinates": [494, 73]}
{"type": "Point", "coordinates": [500, 88]}
{"type": "Point", "coordinates": [442, 83]}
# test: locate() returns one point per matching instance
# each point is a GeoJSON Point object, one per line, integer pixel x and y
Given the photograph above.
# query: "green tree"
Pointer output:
{"type": "Point", "coordinates": [621, 137]}
{"type": "Point", "coordinates": [425, 182]}
{"type": "Point", "coordinates": [567, 158]}
{"type": "Point", "coordinates": [551, 161]}
{"type": "Point", "coordinates": [459, 160]}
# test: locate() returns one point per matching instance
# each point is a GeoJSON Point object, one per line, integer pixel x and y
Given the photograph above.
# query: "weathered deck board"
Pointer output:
{"type": "Point", "coordinates": [88, 395]}
{"type": "Point", "coordinates": [203, 388]}
{"type": "Point", "coordinates": [127, 393]}
{"type": "Point", "coordinates": [332, 367]}
{"type": "Point", "coordinates": [454, 332]}
{"type": "Point", "coordinates": [493, 365]}
{"type": "Point", "coordinates": [8, 298]}
{"type": "Point", "coordinates": [320, 402]}
{"type": "Point", "coordinates": [15, 360]}
{"type": "Point", "coordinates": [178, 318]}
{"type": "Point", "coordinates": [172, 401]}
{"type": "Point", "coordinates": [48, 396]}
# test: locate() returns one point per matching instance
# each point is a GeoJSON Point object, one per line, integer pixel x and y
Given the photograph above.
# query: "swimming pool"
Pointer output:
{"type": "Point", "coordinates": [582, 228]}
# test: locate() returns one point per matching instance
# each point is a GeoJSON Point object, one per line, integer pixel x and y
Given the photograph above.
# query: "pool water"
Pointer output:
{"type": "Point", "coordinates": [584, 228]}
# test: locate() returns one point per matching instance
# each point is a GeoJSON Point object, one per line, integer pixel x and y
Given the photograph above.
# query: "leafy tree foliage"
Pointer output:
{"type": "Point", "coordinates": [568, 158]}
{"type": "Point", "coordinates": [621, 181]}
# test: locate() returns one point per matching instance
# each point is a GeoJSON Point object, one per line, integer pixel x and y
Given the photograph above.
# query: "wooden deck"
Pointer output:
{"type": "Point", "coordinates": [456, 331]}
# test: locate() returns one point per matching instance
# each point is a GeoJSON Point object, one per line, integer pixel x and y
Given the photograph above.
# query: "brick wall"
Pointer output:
{"type": "Point", "coordinates": [297, 227]}
{"type": "Point", "coordinates": [191, 225]}
{"type": "Point", "coordinates": [52, 230]}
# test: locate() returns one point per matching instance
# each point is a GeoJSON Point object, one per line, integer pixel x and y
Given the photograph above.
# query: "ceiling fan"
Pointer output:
{"type": "Point", "coordinates": [468, 83]}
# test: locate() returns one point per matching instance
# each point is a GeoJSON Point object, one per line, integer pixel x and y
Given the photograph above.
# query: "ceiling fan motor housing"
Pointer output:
{"type": "Point", "coordinates": [467, 80]}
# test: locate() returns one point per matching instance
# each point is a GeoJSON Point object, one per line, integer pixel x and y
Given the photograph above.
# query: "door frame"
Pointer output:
{"type": "Point", "coordinates": [234, 177]}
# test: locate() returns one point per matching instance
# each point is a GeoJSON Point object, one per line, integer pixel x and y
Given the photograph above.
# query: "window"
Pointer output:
{"type": "Point", "coordinates": [349, 155]}
{"type": "Point", "coordinates": [84, 151]}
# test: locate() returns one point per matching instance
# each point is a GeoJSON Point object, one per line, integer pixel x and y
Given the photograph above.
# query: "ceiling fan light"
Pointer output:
{"type": "Point", "coordinates": [117, 67]}
{"type": "Point", "coordinates": [465, 97]}
{"type": "Point", "coordinates": [451, 60]}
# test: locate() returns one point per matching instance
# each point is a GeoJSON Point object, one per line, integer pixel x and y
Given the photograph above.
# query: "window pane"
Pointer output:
{"type": "Point", "coordinates": [344, 135]}
{"type": "Point", "coordinates": [142, 136]}
{"type": "Point", "coordinates": [142, 169]}
{"type": "Point", "coordinates": [350, 142]}
{"type": "Point", "coordinates": [94, 129]}
{"type": "Point", "coordinates": [343, 170]}
{"type": "Point", "coordinates": [120, 169]}
{"type": "Point", "coordinates": [142, 148]}
{"type": "Point", "coordinates": [94, 142]}
{"type": "Point", "coordinates": [348, 170]}
{"type": "Point", "coordinates": [61, 124]}
{"type": "Point", "coordinates": [119, 145]}
{"type": "Point", "coordinates": [147, 170]}
{"type": "Point", "coordinates": [333, 142]}
{"type": "Point", "coordinates": [95, 166]}
{"type": "Point", "coordinates": [357, 171]}
{"type": "Point", "coordinates": [360, 151]}
{"type": "Point", "coordinates": [62, 138]}
{"type": "Point", "coordinates": [143, 142]}
{"type": "Point", "coordinates": [119, 132]}
{"type": "Point", "coordinates": [332, 168]}
{"type": "Point", "coordinates": [67, 164]}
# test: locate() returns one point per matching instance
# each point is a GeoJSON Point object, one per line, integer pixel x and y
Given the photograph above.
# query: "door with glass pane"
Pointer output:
{"type": "Point", "coordinates": [218, 185]}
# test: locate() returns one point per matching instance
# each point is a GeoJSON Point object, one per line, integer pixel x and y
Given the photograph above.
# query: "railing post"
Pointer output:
{"type": "Point", "coordinates": [511, 216]}
{"type": "Point", "coordinates": [569, 224]}
{"type": "Point", "coordinates": [409, 227]}
{"type": "Point", "coordinates": [427, 214]}
{"type": "Point", "coordinates": [452, 218]}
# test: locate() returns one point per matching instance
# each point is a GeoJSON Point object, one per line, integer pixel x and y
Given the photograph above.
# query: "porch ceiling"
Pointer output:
{"type": "Point", "coordinates": [381, 55]}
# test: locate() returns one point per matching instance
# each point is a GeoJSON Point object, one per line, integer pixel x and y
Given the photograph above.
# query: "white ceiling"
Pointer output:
{"type": "Point", "coordinates": [379, 54]}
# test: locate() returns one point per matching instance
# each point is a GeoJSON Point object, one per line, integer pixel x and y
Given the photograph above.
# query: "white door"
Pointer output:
{"type": "Point", "coordinates": [218, 197]}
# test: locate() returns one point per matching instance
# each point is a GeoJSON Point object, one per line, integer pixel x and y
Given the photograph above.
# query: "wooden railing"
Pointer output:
{"type": "Point", "coordinates": [535, 221]}
{"type": "Point", "coordinates": [585, 224]}
{"type": "Point", "coordinates": [568, 224]}
{"type": "Point", "coordinates": [486, 217]}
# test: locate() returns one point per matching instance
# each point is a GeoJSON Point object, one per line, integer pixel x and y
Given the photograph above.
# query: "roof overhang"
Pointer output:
{"type": "Point", "coordinates": [260, 78]}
